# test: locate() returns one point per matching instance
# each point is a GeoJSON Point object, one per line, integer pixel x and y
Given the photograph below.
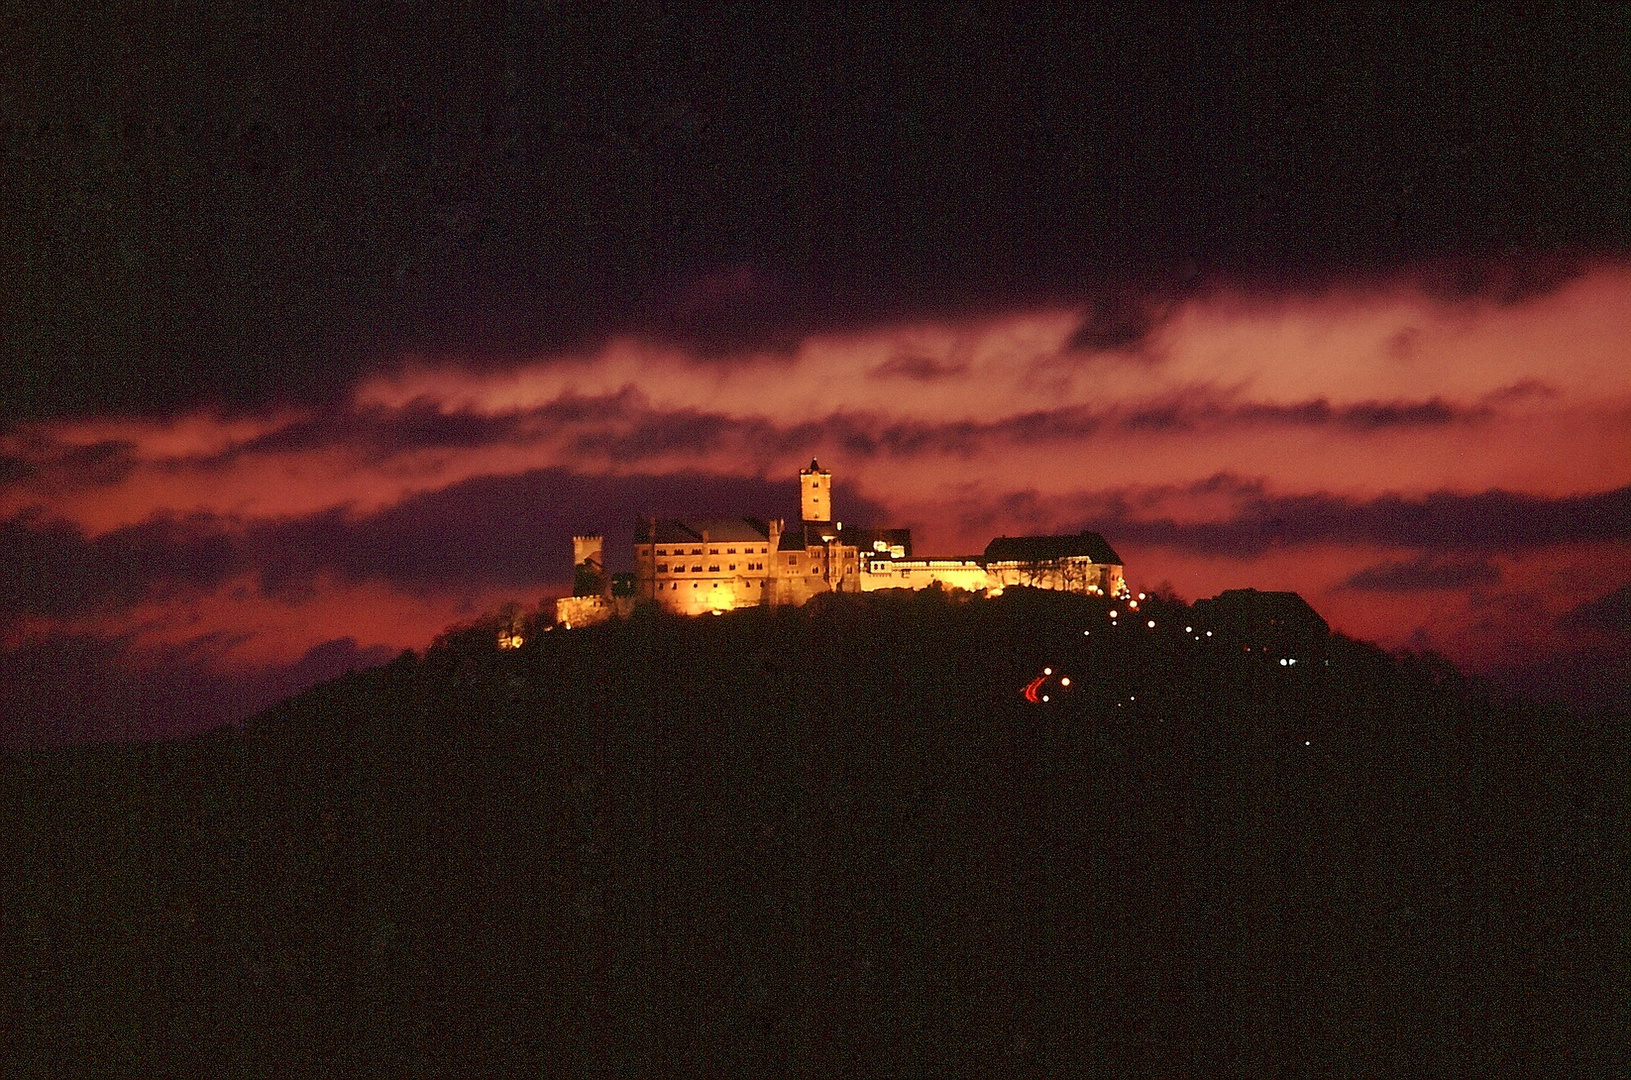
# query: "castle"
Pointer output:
{"type": "Point", "coordinates": [703, 566]}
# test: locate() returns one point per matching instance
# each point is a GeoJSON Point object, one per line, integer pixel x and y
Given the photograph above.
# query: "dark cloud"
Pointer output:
{"type": "Point", "coordinates": [919, 368]}
{"type": "Point", "coordinates": [225, 208]}
{"type": "Point", "coordinates": [378, 431]}
{"type": "Point", "coordinates": [1610, 613]}
{"type": "Point", "coordinates": [1424, 575]}
{"type": "Point", "coordinates": [1117, 320]}
{"type": "Point", "coordinates": [69, 688]}
{"type": "Point", "coordinates": [51, 568]}
{"type": "Point", "coordinates": [1441, 523]}
{"type": "Point", "coordinates": [627, 429]}
{"type": "Point", "coordinates": [640, 433]}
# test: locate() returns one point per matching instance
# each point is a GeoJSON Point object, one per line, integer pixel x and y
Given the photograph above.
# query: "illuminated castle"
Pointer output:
{"type": "Point", "coordinates": [699, 566]}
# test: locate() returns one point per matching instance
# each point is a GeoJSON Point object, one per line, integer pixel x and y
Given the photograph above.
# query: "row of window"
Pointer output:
{"type": "Point", "coordinates": [695, 584]}
{"type": "Point", "coordinates": [711, 551]}
{"type": "Point", "coordinates": [679, 568]}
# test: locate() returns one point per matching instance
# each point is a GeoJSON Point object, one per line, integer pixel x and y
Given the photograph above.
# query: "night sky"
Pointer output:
{"type": "Point", "coordinates": [318, 335]}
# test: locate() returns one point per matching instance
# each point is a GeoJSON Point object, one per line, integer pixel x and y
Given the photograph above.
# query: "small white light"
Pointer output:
{"type": "Point", "coordinates": [1044, 697]}
{"type": "Point", "coordinates": [1209, 633]}
{"type": "Point", "coordinates": [1282, 662]}
{"type": "Point", "coordinates": [1047, 671]}
{"type": "Point", "coordinates": [1087, 633]}
{"type": "Point", "coordinates": [1189, 629]}
{"type": "Point", "coordinates": [1065, 681]}
{"type": "Point", "coordinates": [1307, 743]}
{"type": "Point", "coordinates": [1130, 697]}
{"type": "Point", "coordinates": [1141, 596]}
{"type": "Point", "coordinates": [1293, 660]}
{"type": "Point", "coordinates": [1151, 624]}
{"type": "Point", "coordinates": [1113, 614]}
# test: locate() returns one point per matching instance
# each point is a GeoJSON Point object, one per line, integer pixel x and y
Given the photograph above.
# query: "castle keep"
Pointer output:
{"type": "Point", "coordinates": [702, 566]}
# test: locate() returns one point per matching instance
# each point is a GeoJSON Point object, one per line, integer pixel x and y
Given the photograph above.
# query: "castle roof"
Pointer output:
{"type": "Point", "coordinates": [1083, 545]}
{"type": "Point", "coordinates": [687, 531]}
{"type": "Point", "coordinates": [1239, 606]}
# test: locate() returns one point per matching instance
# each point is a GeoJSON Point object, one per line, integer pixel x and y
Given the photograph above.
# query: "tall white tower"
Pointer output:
{"type": "Point", "coordinates": [815, 492]}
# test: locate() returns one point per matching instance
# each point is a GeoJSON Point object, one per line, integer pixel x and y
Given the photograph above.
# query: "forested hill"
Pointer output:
{"type": "Point", "coordinates": [834, 839]}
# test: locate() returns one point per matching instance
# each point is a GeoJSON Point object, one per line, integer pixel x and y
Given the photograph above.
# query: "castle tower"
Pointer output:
{"type": "Point", "coordinates": [589, 563]}
{"type": "Point", "coordinates": [589, 549]}
{"type": "Point", "coordinates": [815, 492]}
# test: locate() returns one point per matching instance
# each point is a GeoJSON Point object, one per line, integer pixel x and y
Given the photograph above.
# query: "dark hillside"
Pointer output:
{"type": "Point", "coordinates": [836, 840]}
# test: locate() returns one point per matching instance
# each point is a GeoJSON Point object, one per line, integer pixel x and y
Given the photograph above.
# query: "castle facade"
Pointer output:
{"type": "Point", "coordinates": [703, 566]}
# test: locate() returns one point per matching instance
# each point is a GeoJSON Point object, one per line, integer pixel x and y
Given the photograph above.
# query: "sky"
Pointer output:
{"type": "Point", "coordinates": [319, 336]}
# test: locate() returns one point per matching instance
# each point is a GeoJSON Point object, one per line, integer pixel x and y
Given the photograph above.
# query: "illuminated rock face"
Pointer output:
{"type": "Point", "coordinates": [574, 611]}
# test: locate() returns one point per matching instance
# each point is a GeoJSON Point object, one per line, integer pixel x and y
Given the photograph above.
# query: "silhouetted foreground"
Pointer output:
{"type": "Point", "coordinates": [833, 841]}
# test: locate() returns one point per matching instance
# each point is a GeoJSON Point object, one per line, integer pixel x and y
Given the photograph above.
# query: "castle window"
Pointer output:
{"type": "Point", "coordinates": [696, 551]}
{"type": "Point", "coordinates": [713, 551]}
{"type": "Point", "coordinates": [733, 566]}
{"type": "Point", "coordinates": [696, 569]}
{"type": "Point", "coordinates": [662, 568]}
{"type": "Point", "coordinates": [693, 584]}
{"type": "Point", "coordinates": [714, 569]}
{"type": "Point", "coordinates": [730, 551]}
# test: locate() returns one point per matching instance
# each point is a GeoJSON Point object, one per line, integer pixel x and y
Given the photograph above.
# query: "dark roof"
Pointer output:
{"type": "Point", "coordinates": [1088, 545]}
{"type": "Point", "coordinates": [719, 530]}
{"type": "Point", "coordinates": [1248, 606]}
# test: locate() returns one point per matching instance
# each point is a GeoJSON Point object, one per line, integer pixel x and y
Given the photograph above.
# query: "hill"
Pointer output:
{"type": "Point", "coordinates": [833, 840]}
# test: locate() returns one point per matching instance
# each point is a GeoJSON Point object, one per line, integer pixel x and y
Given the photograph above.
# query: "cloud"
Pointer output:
{"type": "Point", "coordinates": [51, 567]}
{"type": "Point", "coordinates": [74, 687]}
{"type": "Point", "coordinates": [1242, 519]}
{"type": "Point", "coordinates": [1119, 319]}
{"type": "Point", "coordinates": [918, 368]}
{"type": "Point", "coordinates": [1424, 575]}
